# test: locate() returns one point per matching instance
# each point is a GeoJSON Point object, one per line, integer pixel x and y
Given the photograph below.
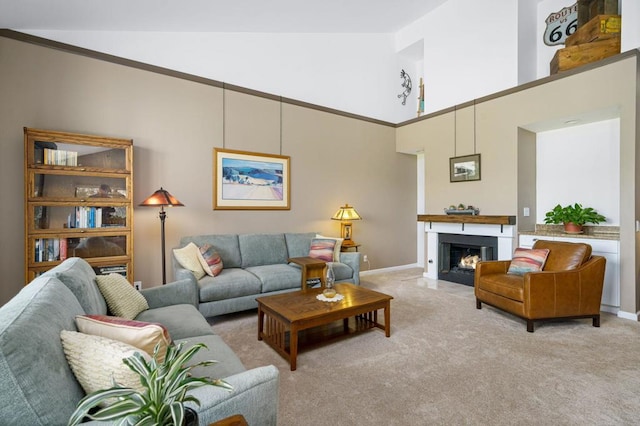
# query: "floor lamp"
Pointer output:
{"type": "Point", "coordinates": [162, 198]}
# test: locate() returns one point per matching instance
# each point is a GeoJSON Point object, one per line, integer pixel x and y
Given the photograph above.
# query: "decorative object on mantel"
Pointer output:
{"type": "Point", "coordinates": [407, 87]}
{"type": "Point", "coordinates": [573, 217]}
{"type": "Point", "coordinates": [462, 209]}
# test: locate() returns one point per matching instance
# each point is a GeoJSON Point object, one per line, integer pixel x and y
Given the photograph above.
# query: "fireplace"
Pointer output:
{"type": "Point", "coordinates": [459, 254]}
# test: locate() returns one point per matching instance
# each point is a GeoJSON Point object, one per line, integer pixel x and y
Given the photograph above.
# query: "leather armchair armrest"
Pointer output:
{"type": "Point", "coordinates": [565, 293]}
{"type": "Point", "coordinates": [492, 267]}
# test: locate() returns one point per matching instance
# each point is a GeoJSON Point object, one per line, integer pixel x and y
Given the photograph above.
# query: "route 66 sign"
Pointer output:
{"type": "Point", "coordinates": [561, 25]}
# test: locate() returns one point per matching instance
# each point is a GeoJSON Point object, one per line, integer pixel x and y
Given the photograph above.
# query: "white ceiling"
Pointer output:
{"type": "Point", "coordinates": [282, 16]}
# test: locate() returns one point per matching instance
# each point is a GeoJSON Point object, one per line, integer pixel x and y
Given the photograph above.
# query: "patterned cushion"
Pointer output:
{"type": "Point", "coordinates": [210, 260]}
{"type": "Point", "coordinates": [336, 249]}
{"type": "Point", "coordinates": [527, 260]}
{"type": "Point", "coordinates": [97, 361]}
{"type": "Point", "coordinates": [122, 299]}
{"type": "Point", "coordinates": [140, 334]}
{"type": "Point", "coordinates": [322, 248]}
{"type": "Point", "coordinates": [188, 258]}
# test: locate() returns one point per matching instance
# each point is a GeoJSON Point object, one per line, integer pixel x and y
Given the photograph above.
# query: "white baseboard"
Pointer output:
{"type": "Point", "coordinates": [389, 269]}
{"type": "Point", "coordinates": [628, 315]}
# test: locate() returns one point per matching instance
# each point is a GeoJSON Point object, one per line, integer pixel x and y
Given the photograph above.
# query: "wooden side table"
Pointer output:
{"type": "Point", "coordinates": [348, 245]}
{"type": "Point", "coordinates": [311, 268]}
{"type": "Point", "coordinates": [236, 420]}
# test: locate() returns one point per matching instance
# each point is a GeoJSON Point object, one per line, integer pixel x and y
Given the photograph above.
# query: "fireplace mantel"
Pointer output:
{"type": "Point", "coordinates": [464, 218]}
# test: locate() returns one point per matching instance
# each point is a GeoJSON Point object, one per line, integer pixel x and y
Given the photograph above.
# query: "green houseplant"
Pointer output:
{"type": "Point", "coordinates": [165, 391]}
{"type": "Point", "coordinates": [573, 217]}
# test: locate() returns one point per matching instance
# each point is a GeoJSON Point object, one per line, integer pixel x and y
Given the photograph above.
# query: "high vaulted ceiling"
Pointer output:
{"type": "Point", "coordinates": [281, 16]}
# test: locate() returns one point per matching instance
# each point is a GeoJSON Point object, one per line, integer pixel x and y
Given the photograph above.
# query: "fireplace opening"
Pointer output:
{"type": "Point", "coordinates": [459, 254]}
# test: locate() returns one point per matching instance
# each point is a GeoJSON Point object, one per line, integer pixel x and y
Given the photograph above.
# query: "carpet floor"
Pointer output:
{"type": "Point", "coordinates": [447, 363]}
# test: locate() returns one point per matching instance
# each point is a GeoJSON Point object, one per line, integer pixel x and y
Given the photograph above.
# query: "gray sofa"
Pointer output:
{"type": "Point", "coordinates": [256, 265]}
{"type": "Point", "coordinates": [37, 386]}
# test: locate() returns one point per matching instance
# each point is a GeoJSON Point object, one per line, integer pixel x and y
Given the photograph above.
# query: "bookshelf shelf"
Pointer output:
{"type": "Point", "coordinates": [78, 201]}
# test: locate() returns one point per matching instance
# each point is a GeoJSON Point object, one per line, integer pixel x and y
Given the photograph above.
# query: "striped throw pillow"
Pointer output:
{"type": "Point", "coordinates": [527, 260]}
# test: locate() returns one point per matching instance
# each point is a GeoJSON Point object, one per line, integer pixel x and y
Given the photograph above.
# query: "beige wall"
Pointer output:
{"type": "Point", "coordinates": [175, 124]}
{"type": "Point", "coordinates": [503, 128]}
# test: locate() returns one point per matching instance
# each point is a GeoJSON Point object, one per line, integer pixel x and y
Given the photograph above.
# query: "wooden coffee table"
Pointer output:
{"type": "Point", "coordinates": [289, 313]}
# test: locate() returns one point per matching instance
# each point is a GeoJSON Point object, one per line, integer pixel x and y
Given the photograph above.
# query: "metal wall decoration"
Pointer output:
{"type": "Point", "coordinates": [406, 83]}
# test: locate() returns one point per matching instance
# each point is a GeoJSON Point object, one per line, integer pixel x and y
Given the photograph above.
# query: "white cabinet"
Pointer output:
{"type": "Point", "coordinates": [609, 249]}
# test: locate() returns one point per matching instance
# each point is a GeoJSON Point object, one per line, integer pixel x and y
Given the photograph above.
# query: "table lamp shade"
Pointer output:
{"type": "Point", "coordinates": [347, 213]}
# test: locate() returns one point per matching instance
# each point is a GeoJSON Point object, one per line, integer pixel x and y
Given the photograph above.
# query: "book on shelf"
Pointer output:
{"type": "Point", "coordinates": [58, 157]}
{"type": "Point", "coordinates": [64, 245]}
{"type": "Point", "coordinates": [47, 250]}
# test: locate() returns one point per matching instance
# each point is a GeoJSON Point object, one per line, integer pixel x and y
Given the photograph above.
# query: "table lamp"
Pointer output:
{"type": "Point", "coordinates": [345, 215]}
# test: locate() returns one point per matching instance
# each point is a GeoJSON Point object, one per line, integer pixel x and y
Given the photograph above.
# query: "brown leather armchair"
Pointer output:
{"type": "Point", "coordinates": [569, 286]}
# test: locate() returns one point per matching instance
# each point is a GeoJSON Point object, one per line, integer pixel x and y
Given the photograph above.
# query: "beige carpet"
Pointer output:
{"type": "Point", "coordinates": [448, 363]}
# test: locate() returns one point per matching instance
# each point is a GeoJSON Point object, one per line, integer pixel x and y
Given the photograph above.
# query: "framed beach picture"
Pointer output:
{"type": "Point", "coordinates": [250, 181]}
{"type": "Point", "coordinates": [464, 169]}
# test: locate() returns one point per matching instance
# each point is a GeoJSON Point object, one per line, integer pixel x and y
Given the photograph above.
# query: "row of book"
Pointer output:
{"type": "Point", "coordinates": [313, 282]}
{"type": "Point", "coordinates": [85, 217]}
{"type": "Point", "coordinates": [58, 157]}
{"type": "Point", "coordinates": [106, 270]}
{"type": "Point", "coordinates": [50, 249]}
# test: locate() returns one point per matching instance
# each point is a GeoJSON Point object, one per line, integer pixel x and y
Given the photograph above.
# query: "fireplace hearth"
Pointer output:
{"type": "Point", "coordinates": [459, 254]}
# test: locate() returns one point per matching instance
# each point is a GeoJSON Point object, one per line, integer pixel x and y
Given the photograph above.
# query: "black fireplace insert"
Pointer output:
{"type": "Point", "coordinates": [459, 254]}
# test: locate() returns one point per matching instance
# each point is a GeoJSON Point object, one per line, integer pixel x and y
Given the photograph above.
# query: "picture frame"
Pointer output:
{"type": "Point", "coordinates": [245, 180]}
{"type": "Point", "coordinates": [465, 168]}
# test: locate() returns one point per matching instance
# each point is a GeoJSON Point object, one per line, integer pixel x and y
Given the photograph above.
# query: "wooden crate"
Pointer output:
{"type": "Point", "coordinates": [574, 56]}
{"type": "Point", "coordinates": [601, 27]}
{"type": "Point", "coordinates": [589, 9]}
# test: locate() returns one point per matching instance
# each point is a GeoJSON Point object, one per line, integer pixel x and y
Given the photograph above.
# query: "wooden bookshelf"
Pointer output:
{"type": "Point", "coordinates": [78, 201]}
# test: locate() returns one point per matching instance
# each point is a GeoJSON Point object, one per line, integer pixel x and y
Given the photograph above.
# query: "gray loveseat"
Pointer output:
{"type": "Point", "coordinates": [256, 265]}
{"type": "Point", "coordinates": [37, 386]}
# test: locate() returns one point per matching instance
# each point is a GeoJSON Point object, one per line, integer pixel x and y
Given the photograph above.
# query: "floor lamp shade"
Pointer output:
{"type": "Point", "coordinates": [162, 198]}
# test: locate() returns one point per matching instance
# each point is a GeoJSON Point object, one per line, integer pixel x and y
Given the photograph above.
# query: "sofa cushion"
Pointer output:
{"type": "Point", "coordinates": [96, 361]}
{"type": "Point", "coordinates": [227, 363]}
{"type": "Point", "coordinates": [298, 243]}
{"type": "Point", "coordinates": [30, 386]}
{"type": "Point", "coordinates": [262, 249]}
{"type": "Point", "coordinates": [210, 260]}
{"type": "Point", "coordinates": [189, 258]}
{"type": "Point", "coordinates": [226, 245]}
{"type": "Point", "coordinates": [322, 249]}
{"type": "Point", "coordinates": [140, 334]}
{"type": "Point", "coordinates": [277, 277]}
{"type": "Point", "coordinates": [79, 277]}
{"type": "Point", "coordinates": [510, 286]}
{"type": "Point", "coordinates": [122, 299]}
{"type": "Point", "coordinates": [232, 282]}
{"type": "Point", "coordinates": [182, 321]}
{"type": "Point", "coordinates": [527, 260]}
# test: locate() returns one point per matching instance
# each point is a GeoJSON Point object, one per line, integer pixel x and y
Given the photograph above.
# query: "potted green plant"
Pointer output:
{"type": "Point", "coordinates": [573, 217]}
{"type": "Point", "coordinates": [165, 391]}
